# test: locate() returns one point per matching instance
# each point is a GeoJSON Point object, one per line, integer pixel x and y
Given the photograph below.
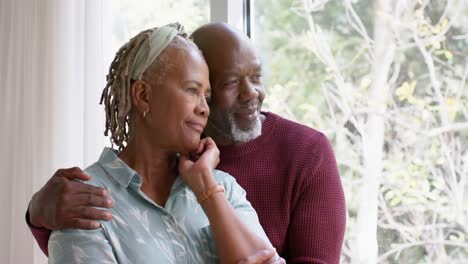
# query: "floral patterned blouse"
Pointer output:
{"type": "Point", "coordinates": [142, 231]}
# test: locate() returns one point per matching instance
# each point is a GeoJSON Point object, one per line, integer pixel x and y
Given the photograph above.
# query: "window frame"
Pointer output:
{"type": "Point", "coordinates": [237, 13]}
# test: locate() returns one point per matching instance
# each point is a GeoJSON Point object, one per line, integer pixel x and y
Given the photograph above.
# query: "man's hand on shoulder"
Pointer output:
{"type": "Point", "coordinates": [66, 203]}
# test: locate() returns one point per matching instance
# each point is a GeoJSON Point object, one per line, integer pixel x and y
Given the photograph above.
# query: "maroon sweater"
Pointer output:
{"type": "Point", "coordinates": [292, 180]}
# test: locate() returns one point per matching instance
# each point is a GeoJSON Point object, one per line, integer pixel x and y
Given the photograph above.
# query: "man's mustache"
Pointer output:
{"type": "Point", "coordinates": [255, 103]}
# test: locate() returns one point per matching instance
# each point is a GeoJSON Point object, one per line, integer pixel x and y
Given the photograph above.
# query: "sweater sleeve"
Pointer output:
{"type": "Point", "coordinates": [318, 218]}
{"type": "Point", "coordinates": [41, 235]}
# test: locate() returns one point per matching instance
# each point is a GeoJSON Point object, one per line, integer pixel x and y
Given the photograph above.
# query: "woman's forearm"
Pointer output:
{"type": "Point", "coordinates": [234, 240]}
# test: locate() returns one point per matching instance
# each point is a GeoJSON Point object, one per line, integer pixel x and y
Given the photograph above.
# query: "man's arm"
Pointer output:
{"type": "Point", "coordinates": [41, 235]}
{"type": "Point", "coordinates": [63, 203]}
{"type": "Point", "coordinates": [318, 220]}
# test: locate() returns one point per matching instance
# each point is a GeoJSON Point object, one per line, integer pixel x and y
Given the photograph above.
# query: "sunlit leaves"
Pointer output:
{"type": "Point", "coordinates": [406, 90]}
{"type": "Point", "coordinates": [446, 53]}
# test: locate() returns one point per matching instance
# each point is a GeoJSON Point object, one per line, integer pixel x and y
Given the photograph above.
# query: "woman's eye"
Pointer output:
{"type": "Point", "coordinates": [192, 90]}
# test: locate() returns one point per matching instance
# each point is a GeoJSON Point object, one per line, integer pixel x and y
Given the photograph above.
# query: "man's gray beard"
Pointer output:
{"type": "Point", "coordinates": [234, 132]}
{"type": "Point", "coordinates": [239, 135]}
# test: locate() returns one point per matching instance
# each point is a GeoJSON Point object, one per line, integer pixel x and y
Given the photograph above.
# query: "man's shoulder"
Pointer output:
{"type": "Point", "coordinates": [289, 130]}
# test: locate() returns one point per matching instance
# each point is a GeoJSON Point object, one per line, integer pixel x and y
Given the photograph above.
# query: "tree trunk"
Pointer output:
{"type": "Point", "coordinates": [366, 247]}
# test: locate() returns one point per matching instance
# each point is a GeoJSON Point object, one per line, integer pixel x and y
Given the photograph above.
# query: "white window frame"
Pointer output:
{"type": "Point", "coordinates": [236, 13]}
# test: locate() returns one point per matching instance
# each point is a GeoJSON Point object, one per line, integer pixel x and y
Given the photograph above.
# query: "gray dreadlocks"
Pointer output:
{"type": "Point", "coordinates": [116, 95]}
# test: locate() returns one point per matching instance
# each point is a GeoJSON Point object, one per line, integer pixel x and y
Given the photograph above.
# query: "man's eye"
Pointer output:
{"type": "Point", "coordinates": [257, 76]}
{"type": "Point", "coordinates": [233, 82]}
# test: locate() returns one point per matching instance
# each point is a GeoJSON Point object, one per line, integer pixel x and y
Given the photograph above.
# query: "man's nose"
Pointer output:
{"type": "Point", "coordinates": [248, 91]}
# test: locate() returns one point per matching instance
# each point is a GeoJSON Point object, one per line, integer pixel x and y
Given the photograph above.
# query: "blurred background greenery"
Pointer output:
{"type": "Point", "coordinates": [386, 81]}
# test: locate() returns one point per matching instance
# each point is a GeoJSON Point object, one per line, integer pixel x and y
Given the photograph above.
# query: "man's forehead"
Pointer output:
{"type": "Point", "coordinates": [239, 68]}
{"type": "Point", "coordinates": [236, 59]}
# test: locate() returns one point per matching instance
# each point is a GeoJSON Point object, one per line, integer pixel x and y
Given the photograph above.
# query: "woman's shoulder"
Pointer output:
{"type": "Point", "coordinates": [99, 176]}
{"type": "Point", "coordinates": [233, 189]}
{"type": "Point", "coordinates": [109, 171]}
{"type": "Point", "coordinates": [223, 177]}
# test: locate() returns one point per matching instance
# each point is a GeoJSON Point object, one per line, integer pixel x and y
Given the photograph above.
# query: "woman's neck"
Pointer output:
{"type": "Point", "coordinates": [157, 167]}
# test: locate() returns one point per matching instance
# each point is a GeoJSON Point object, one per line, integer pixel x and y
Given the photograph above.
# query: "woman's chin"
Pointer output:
{"type": "Point", "coordinates": [190, 146]}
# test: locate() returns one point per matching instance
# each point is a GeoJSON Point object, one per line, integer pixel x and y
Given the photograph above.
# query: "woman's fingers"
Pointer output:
{"type": "Point", "coordinates": [200, 150]}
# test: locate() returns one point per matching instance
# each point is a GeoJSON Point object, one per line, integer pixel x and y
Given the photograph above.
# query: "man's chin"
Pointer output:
{"type": "Point", "coordinates": [236, 129]}
{"type": "Point", "coordinates": [246, 132]}
{"type": "Point", "coordinates": [247, 124]}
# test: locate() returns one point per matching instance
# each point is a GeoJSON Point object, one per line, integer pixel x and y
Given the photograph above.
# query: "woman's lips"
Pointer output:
{"type": "Point", "coordinates": [199, 127]}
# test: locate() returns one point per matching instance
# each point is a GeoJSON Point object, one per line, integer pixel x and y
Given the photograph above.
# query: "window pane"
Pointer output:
{"type": "Point", "coordinates": [132, 17]}
{"type": "Point", "coordinates": [386, 81]}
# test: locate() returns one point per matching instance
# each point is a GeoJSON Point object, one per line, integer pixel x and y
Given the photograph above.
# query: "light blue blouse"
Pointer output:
{"type": "Point", "coordinates": [142, 231]}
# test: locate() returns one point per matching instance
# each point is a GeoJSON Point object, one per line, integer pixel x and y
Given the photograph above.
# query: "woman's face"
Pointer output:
{"type": "Point", "coordinates": [178, 108]}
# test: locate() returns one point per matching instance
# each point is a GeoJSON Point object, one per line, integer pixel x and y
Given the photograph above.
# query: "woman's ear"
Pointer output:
{"type": "Point", "coordinates": [140, 93]}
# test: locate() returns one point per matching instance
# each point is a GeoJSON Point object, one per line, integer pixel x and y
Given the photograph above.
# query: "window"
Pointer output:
{"type": "Point", "coordinates": [130, 17]}
{"type": "Point", "coordinates": [386, 81]}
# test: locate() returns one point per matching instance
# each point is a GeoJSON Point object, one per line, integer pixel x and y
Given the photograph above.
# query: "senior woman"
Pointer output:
{"type": "Point", "coordinates": [172, 206]}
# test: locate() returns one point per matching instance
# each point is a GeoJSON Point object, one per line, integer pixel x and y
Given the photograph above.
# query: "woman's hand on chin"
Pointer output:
{"type": "Point", "coordinates": [197, 170]}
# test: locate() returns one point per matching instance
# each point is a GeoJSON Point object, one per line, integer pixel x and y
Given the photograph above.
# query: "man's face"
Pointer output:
{"type": "Point", "coordinates": [237, 94]}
